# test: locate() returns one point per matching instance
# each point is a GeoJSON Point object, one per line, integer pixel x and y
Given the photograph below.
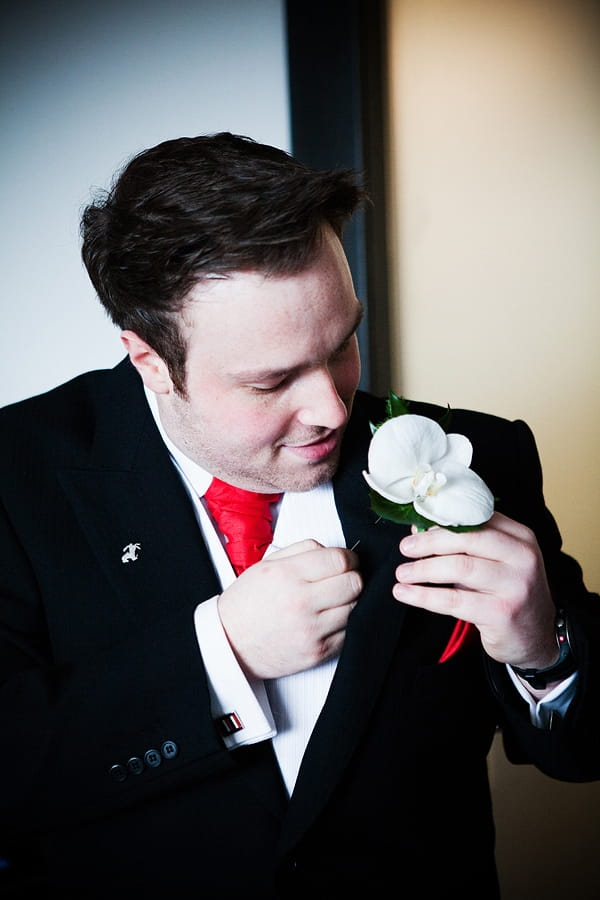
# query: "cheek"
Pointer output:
{"type": "Point", "coordinates": [259, 424]}
{"type": "Point", "coordinates": [348, 374]}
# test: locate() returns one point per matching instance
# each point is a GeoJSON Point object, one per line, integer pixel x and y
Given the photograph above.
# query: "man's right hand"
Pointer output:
{"type": "Point", "coordinates": [289, 612]}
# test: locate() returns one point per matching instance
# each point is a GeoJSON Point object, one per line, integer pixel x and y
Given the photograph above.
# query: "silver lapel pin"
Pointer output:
{"type": "Point", "coordinates": [130, 553]}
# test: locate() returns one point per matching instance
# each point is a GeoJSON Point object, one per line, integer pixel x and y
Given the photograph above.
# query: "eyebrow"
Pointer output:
{"type": "Point", "coordinates": [265, 374]}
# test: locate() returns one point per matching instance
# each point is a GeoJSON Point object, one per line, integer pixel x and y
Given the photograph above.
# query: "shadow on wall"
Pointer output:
{"type": "Point", "coordinates": [548, 833]}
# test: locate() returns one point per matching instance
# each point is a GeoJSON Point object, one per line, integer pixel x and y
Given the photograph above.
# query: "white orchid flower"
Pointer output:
{"type": "Point", "coordinates": [412, 460]}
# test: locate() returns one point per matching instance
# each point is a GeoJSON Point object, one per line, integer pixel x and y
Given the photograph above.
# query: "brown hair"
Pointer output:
{"type": "Point", "coordinates": [197, 206]}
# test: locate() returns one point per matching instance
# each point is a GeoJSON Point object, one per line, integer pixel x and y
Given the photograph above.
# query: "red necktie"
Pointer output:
{"type": "Point", "coordinates": [245, 518]}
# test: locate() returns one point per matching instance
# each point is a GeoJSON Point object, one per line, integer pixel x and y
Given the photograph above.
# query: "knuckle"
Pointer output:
{"type": "Point", "coordinates": [338, 560]}
{"type": "Point", "coordinates": [421, 569]}
{"type": "Point", "coordinates": [327, 646]}
{"type": "Point", "coordinates": [454, 598]}
{"type": "Point", "coordinates": [310, 632]}
{"type": "Point", "coordinates": [529, 559]}
{"type": "Point", "coordinates": [355, 583]}
{"type": "Point", "coordinates": [311, 544]}
{"type": "Point", "coordinates": [308, 637]}
{"type": "Point", "coordinates": [528, 534]}
{"type": "Point", "coordinates": [466, 566]}
{"type": "Point", "coordinates": [323, 651]}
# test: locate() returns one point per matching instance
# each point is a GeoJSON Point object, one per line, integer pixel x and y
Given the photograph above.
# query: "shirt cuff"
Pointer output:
{"type": "Point", "coordinates": [556, 702]}
{"type": "Point", "coordinates": [233, 696]}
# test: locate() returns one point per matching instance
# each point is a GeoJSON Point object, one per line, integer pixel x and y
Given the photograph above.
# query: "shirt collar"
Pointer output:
{"type": "Point", "coordinates": [198, 477]}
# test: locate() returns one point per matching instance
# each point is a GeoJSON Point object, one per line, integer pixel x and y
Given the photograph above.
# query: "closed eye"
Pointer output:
{"type": "Point", "coordinates": [270, 382]}
{"type": "Point", "coordinates": [267, 388]}
{"type": "Point", "coordinates": [343, 347]}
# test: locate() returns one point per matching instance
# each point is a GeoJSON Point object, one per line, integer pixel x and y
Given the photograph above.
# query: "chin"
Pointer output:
{"type": "Point", "coordinates": [310, 478]}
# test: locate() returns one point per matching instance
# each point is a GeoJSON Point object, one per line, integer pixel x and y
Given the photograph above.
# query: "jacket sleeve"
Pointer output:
{"type": "Point", "coordinates": [569, 748]}
{"type": "Point", "coordinates": [87, 732]}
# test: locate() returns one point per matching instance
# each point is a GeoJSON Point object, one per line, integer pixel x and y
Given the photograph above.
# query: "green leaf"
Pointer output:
{"type": "Point", "coordinates": [401, 514]}
{"type": "Point", "coordinates": [406, 514]}
{"type": "Point", "coordinates": [395, 405]}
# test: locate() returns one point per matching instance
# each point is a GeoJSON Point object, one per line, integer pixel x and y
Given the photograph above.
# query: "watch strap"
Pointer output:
{"type": "Point", "coordinates": [564, 666]}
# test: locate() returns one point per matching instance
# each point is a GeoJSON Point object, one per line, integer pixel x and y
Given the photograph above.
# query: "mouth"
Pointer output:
{"type": "Point", "coordinates": [317, 450]}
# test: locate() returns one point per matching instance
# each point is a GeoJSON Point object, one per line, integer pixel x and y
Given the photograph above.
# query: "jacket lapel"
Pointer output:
{"type": "Point", "coordinates": [130, 502]}
{"type": "Point", "coordinates": [133, 508]}
{"type": "Point", "coordinates": [371, 638]}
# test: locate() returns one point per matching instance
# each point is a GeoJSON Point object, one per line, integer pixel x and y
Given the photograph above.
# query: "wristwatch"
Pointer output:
{"type": "Point", "coordinates": [562, 668]}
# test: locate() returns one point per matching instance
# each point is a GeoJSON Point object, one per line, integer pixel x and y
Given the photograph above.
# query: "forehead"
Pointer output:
{"type": "Point", "coordinates": [249, 314]}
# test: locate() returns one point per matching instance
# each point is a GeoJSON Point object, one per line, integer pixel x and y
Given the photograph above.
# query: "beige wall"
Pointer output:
{"type": "Point", "coordinates": [495, 159]}
{"type": "Point", "coordinates": [494, 156]}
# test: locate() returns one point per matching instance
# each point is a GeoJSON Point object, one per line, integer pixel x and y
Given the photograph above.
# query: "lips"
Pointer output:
{"type": "Point", "coordinates": [315, 451]}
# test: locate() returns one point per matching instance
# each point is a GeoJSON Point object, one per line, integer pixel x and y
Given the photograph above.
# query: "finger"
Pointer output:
{"type": "Point", "coordinates": [498, 541]}
{"type": "Point", "coordinates": [330, 645]}
{"type": "Point", "coordinates": [335, 619]}
{"type": "Point", "coordinates": [471, 572]}
{"type": "Point", "coordinates": [447, 600]}
{"type": "Point", "coordinates": [294, 549]}
{"type": "Point", "coordinates": [324, 562]}
{"type": "Point", "coordinates": [450, 600]}
{"type": "Point", "coordinates": [502, 523]}
{"type": "Point", "coordinates": [337, 592]}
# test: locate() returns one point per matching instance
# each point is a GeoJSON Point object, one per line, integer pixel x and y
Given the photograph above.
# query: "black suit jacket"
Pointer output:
{"type": "Point", "coordinates": [99, 666]}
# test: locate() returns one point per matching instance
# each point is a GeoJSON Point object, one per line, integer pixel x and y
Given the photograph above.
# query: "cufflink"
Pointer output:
{"type": "Point", "coordinates": [229, 724]}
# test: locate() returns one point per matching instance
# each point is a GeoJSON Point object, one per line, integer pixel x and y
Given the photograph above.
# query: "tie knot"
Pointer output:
{"type": "Point", "coordinates": [226, 495]}
{"type": "Point", "coordinates": [244, 518]}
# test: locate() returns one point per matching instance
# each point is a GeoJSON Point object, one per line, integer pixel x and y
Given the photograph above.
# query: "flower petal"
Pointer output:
{"type": "Point", "coordinates": [399, 491]}
{"type": "Point", "coordinates": [465, 499]}
{"type": "Point", "coordinates": [401, 445]}
{"type": "Point", "coordinates": [459, 449]}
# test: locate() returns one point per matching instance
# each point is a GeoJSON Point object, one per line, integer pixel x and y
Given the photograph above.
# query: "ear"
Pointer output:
{"type": "Point", "coordinates": [152, 368]}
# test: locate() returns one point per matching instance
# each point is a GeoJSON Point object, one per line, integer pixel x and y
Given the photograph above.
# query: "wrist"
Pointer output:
{"type": "Point", "coordinates": [565, 665]}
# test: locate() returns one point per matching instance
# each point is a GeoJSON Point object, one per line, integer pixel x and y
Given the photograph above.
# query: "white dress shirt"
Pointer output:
{"type": "Point", "coordinates": [283, 709]}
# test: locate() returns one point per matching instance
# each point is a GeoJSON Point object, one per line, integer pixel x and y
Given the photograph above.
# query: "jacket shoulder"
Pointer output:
{"type": "Point", "coordinates": [63, 416]}
{"type": "Point", "coordinates": [372, 407]}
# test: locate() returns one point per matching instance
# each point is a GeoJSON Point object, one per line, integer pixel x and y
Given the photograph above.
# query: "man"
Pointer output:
{"type": "Point", "coordinates": [290, 731]}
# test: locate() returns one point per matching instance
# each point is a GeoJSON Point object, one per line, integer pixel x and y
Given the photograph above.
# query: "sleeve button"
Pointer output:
{"type": "Point", "coordinates": [135, 765]}
{"type": "Point", "coordinates": [152, 758]}
{"type": "Point", "coordinates": [118, 773]}
{"type": "Point", "coordinates": [169, 750]}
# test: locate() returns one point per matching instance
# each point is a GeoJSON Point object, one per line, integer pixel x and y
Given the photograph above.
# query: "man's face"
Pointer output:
{"type": "Point", "coordinates": [272, 369]}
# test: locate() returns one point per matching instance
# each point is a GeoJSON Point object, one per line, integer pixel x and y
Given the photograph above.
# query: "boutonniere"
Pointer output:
{"type": "Point", "coordinates": [420, 475]}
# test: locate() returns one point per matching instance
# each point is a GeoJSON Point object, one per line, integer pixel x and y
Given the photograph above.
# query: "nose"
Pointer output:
{"type": "Point", "coordinates": [321, 405]}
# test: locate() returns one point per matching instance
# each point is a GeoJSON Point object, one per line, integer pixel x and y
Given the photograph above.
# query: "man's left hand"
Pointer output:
{"type": "Point", "coordinates": [493, 577]}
